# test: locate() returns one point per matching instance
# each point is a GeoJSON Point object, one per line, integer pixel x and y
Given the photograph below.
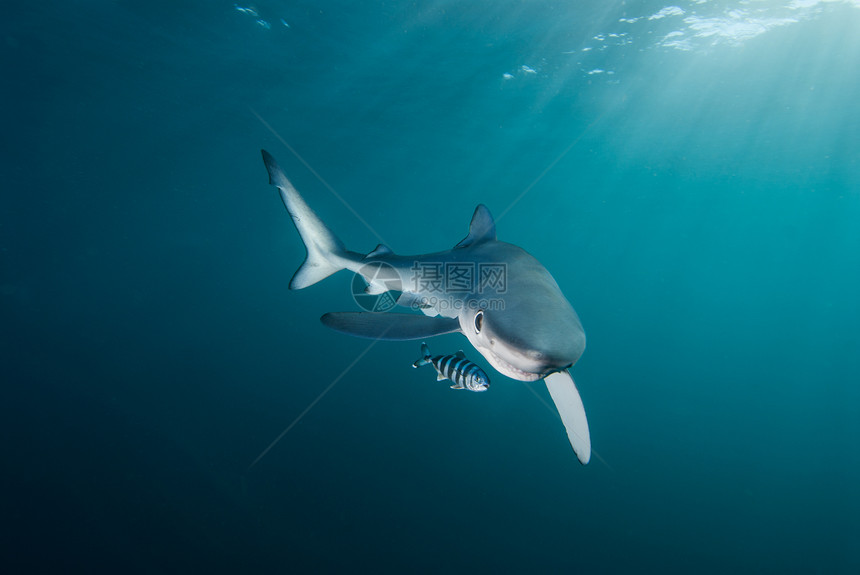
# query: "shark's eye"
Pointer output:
{"type": "Point", "coordinates": [479, 321]}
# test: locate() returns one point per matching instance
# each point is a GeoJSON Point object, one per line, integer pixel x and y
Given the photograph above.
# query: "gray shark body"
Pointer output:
{"type": "Point", "coordinates": [500, 297]}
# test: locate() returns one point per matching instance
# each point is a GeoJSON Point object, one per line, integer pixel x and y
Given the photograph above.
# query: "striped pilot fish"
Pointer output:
{"type": "Point", "coordinates": [464, 373]}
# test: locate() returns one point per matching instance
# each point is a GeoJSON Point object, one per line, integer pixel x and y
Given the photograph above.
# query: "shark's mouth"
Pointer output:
{"type": "Point", "coordinates": [507, 369]}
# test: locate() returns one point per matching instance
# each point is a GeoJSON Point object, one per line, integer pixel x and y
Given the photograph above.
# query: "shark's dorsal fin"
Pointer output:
{"type": "Point", "coordinates": [380, 250]}
{"type": "Point", "coordinates": [481, 229]}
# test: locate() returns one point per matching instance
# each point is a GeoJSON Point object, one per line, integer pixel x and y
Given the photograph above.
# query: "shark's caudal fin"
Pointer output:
{"type": "Point", "coordinates": [325, 251]}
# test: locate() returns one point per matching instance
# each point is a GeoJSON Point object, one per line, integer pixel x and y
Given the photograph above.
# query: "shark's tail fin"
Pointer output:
{"type": "Point", "coordinates": [425, 356]}
{"type": "Point", "coordinates": [325, 251]}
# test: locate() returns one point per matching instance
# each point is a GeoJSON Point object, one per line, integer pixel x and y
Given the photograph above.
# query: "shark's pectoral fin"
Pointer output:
{"type": "Point", "coordinates": [570, 408]}
{"type": "Point", "coordinates": [389, 326]}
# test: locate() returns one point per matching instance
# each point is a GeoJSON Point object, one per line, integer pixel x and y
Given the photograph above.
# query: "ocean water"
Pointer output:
{"type": "Point", "coordinates": [689, 173]}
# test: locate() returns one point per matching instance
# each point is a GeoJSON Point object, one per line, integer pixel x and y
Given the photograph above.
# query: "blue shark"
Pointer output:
{"type": "Point", "coordinates": [515, 316]}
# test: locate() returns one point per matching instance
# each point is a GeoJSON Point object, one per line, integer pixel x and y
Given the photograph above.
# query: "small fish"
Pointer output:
{"type": "Point", "coordinates": [464, 373]}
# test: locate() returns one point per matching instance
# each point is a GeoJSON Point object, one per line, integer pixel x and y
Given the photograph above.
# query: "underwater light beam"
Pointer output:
{"type": "Point", "coordinates": [549, 167]}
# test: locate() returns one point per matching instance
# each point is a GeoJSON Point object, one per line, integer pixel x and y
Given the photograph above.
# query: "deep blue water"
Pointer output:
{"type": "Point", "coordinates": [688, 173]}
